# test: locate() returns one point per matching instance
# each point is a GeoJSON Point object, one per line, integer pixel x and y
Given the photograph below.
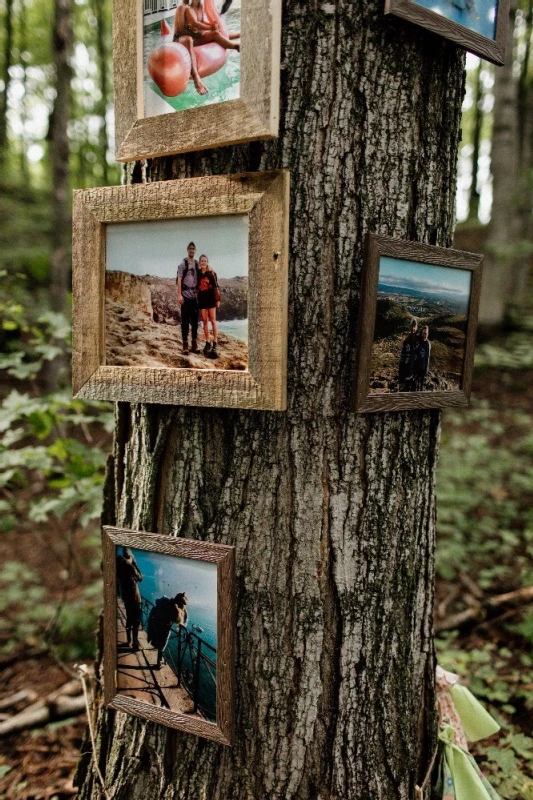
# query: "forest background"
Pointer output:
{"type": "Point", "coordinates": [56, 134]}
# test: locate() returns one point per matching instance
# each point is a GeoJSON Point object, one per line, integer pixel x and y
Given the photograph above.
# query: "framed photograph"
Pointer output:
{"type": "Point", "coordinates": [169, 631]}
{"type": "Point", "coordinates": [479, 26]}
{"type": "Point", "coordinates": [180, 292]}
{"type": "Point", "coordinates": [191, 74]}
{"type": "Point", "coordinates": [416, 327]}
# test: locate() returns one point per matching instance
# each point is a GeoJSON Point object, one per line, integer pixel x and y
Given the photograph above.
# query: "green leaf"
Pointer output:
{"type": "Point", "coordinates": [505, 759]}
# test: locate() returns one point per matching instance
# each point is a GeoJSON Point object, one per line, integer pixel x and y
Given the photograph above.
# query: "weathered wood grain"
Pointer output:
{"type": "Point", "coordinates": [377, 246]}
{"type": "Point", "coordinates": [265, 197]}
{"type": "Point", "coordinates": [88, 349]}
{"type": "Point", "coordinates": [223, 731]}
{"type": "Point", "coordinates": [255, 115]}
{"type": "Point", "coordinates": [492, 49]}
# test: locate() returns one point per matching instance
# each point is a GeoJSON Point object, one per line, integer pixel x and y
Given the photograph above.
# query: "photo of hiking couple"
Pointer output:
{"type": "Point", "coordinates": [177, 293]}
{"type": "Point", "coordinates": [420, 329]}
{"type": "Point", "coordinates": [191, 54]}
{"type": "Point", "coordinates": [167, 631]}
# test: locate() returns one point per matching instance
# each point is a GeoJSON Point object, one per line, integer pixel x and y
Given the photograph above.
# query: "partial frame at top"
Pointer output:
{"type": "Point", "coordinates": [420, 13]}
{"type": "Point", "coordinates": [151, 58]}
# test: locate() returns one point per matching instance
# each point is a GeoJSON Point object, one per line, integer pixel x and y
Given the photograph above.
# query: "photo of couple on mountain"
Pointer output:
{"type": "Point", "coordinates": [420, 328]}
{"type": "Point", "coordinates": [170, 304]}
{"type": "Point", "coordinates": [198, 296]}
{"type": "Point", "coordinates": [414, 359]}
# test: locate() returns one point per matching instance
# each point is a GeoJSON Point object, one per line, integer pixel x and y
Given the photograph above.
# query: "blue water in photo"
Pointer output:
{"type": "Point", "coordinates": [476, 15]}
{"type": "Point", "coordinates": [428, 281]}
{"type": "Point", "coordinates": [235, 327]}
{"type": "Point", "coordinates": [166, 576]}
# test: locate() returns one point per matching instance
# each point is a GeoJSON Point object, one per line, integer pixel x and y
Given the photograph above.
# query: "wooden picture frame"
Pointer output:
{"type": "Point", "coordinates": [154, 682]}
{"type": "Point", "coordinates": [254, 115]}
{"type": "Point", "coordinates": [264, 197]}
{"type": "Point", "coordinates": [490, 49]}
{"type": "Point", "coordinates": [365, 400]}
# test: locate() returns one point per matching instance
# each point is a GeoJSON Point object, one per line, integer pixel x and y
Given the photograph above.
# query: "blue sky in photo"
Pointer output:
{"type": "Point", "coordinates": [476, 15]}
{"type": "Point", "coordinates": [425, 278]}
{"type": "Point", "coordinates": [157, 247]}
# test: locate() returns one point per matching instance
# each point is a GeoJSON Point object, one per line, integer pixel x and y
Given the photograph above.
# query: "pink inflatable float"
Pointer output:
{"type": "Point", "coordinates": [169, 64]}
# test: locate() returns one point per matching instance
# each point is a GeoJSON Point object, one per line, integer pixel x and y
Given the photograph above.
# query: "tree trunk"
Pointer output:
{"type": "Point", "coordinates": [23, 45]}
{"type": "Point", "coordinates": [473, 196]}
{"type": "Point", "coordinates": [59, 156]}
{"type": "Point", "coordinates": [59, 150]}
{"type": "Point", "coordinates": [504, 228]}
{"type": "Point", "coordinates": [332, 514]}
{"type": "Point", "coordinates": [6, 78]}
{"type": "Point", "coordinates": [103, 61]}
{"type": "Point", "coordinates": [522, 292]}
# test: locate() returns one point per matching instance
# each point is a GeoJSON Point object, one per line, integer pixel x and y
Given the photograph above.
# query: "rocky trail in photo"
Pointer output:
{"type": "Point", "coordinates": [143, 324]}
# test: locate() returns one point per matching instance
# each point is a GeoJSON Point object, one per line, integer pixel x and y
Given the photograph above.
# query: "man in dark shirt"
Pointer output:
{"type": "Point", "coordinates": [406, 369]}
{"type": "Point", "coordinates": [187, 281]}
{"type": "Point", "coordinates": [128, 575]}
{"type": "Point", "coordinates": [422, 358]}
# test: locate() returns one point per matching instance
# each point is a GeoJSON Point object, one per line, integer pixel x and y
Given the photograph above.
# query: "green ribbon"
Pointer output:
{"type": "Point", "coordinates": [459, 776]}
{"type": "Point", "coordinates": [476, 721]}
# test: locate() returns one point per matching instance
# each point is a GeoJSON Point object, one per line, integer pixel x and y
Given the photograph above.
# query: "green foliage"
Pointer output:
{"type": "Point", "coordinates": [485, 489]}
{"type": "Point", "coordinates": [515, 353]}
{"type": "Point", "coordinates": [502, 680]}
{"type": "Point", "coordinates": [51, 469]}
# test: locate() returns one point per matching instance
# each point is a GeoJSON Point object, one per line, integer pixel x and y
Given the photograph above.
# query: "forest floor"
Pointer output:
{"type": "Point", "coordinates": [485, 549]}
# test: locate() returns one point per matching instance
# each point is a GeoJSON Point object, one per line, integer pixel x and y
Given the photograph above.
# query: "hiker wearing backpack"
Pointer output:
{"type": "Point", "coordinates": [166, 612]}
{"type": "Point", "coordinates": [187, 281]}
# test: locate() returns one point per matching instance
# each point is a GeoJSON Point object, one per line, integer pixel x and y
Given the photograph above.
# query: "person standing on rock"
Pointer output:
{"type": "Point", "coordinates": [208, 302]}
{"type": "Point", "coordinates": [128, 576]}
{"type": "Point", "coordinates": [422, 358]}
{"type": "Point", "coordinates": [187, 281]}
{"type": "Point", "coordinates": [406, 370]}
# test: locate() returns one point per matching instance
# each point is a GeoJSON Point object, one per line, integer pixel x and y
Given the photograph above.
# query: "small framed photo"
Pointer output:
{"type": "Point", "coordinates": [169, 631]}
{"type": "Point", "coordinates": [416, 328]}
{"type": "Point", "coordinates": [192, 74]}
{"type": "Point", "coordinates": [479, 26]}
{"type": "Point", "coordinates": [180, 292]}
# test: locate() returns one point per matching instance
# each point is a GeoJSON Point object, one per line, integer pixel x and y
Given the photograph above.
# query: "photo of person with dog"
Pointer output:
{"type": "Point", "coordinates": [170, 304]}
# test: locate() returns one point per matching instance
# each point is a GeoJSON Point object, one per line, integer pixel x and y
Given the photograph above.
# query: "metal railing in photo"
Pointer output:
{"type": "Point", "coordinates": [192, 660]}
{"type": "Point", "coordinates": [153, 6]}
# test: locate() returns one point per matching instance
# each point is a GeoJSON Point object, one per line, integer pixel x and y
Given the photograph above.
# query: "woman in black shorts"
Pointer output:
{"type": "Point", "coordinates": [208, 302]}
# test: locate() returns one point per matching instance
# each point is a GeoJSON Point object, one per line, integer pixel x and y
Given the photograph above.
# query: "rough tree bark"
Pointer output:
{"type": "Point", "coordinates": [332, 514]}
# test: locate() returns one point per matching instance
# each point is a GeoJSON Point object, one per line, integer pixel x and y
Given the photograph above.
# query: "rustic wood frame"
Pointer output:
{"type": "Point", "coordinates": [377, 246]}
{"type": "Point", "coordinates": [254, 115]}
{"type": "Point", "coordinates": [491, 49]}
{"type": "Point", "coordinates": [264, 196]}
{"type": "Point", "coordinates": [223, 731]}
